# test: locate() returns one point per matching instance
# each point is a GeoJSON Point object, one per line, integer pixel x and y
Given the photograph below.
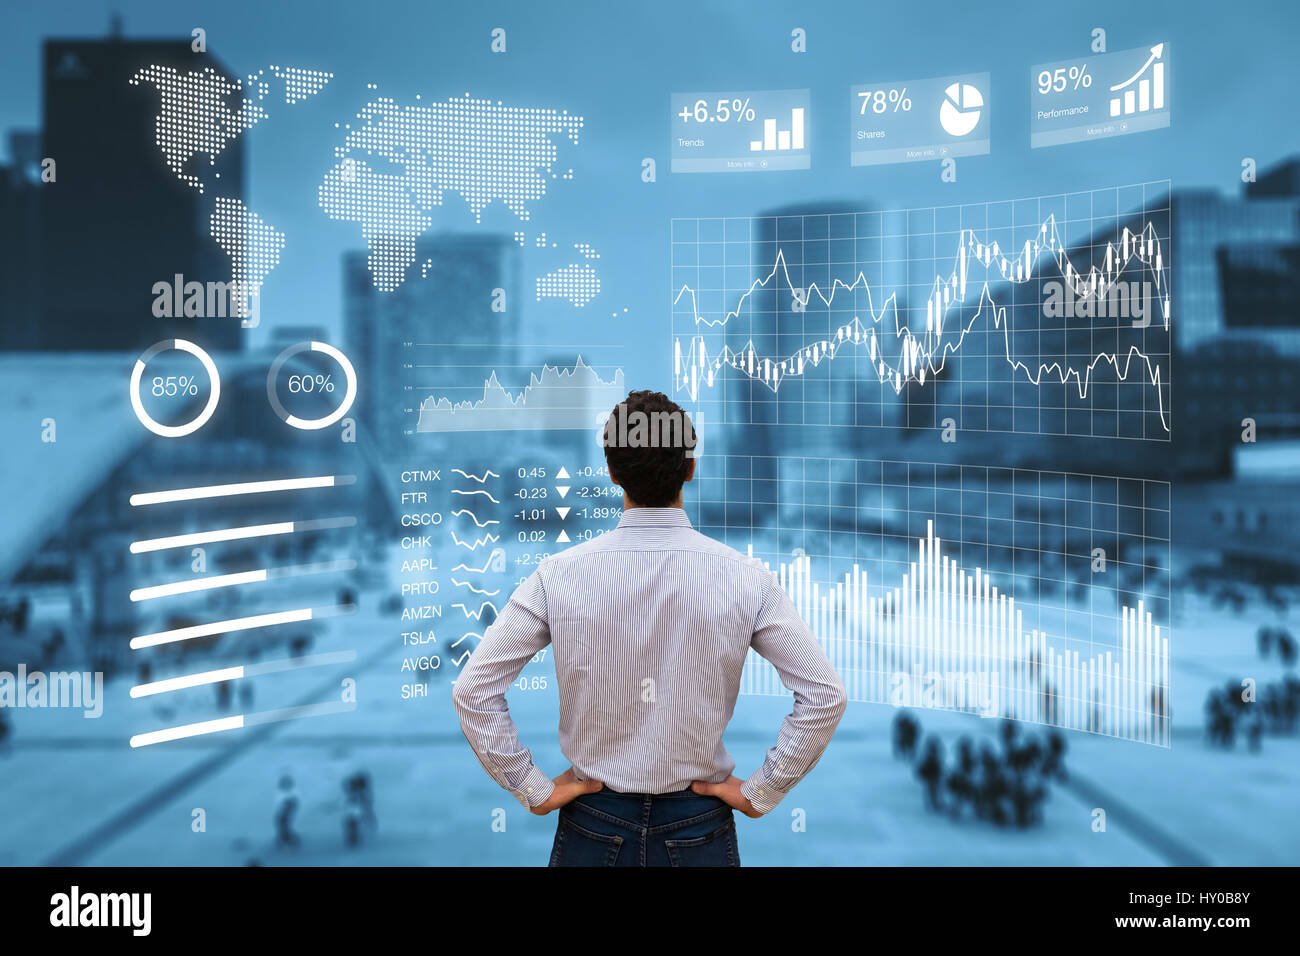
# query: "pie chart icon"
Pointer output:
{"type": "Point", "coordinates": [960, 112]}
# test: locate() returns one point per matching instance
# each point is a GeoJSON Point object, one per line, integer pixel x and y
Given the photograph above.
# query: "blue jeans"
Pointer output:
{"type": "Point", "coordinates": [607, 828]}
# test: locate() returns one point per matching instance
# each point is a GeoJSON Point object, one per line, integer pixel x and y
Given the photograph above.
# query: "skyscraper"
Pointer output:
{"type": "Point", "coordinates": [446, 321]}
{"type": "Point", "coordinates": [115, 220]}
{"type": "Point", "coordinates": [19, 238]}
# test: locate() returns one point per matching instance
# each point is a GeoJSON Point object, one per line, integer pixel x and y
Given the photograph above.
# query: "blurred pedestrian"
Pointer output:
{"type": "Point", "coordinates": [1054, 759]}
{"type": "Point", "coordinates": [1286, 647]}
{"type": "Point", "coordinates": [286, 806]}
{"type": "Point", "coordinates": [906, 732]}
{"type": "Point", "coordinates": [358, 807]}
{"type": "Point", "coordinates": [992, 789]}
{"type": "Point", "coordinates": [930, 770]}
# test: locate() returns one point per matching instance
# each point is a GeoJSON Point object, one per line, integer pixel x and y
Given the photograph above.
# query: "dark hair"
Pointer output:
{"type": "Point", "coordinates": [649, 442]}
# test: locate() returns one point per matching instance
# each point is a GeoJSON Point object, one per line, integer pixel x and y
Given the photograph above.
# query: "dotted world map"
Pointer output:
{"type": "Point", "coordinates": [395, 164]}
{"type": "Point", "coordinates": [401, 161]}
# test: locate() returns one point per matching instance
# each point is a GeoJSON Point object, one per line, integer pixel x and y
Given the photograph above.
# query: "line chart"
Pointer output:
{"type": "Point", "coordinates": [479, 478]}
{"type": "Point", "coordinates": [1049, 315]}
{"type": "Point", "coordinates": [473, 544]}
{"type": "Point", "coordinates": [554, 398]}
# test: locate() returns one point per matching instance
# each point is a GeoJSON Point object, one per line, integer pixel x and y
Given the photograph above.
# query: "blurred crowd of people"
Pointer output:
{"type": "Point", "coordinates": [1252, 710]}
{"type": "Point", "coordinates": [1006, 786]}
{"type": "Point", "coordinates": [1272, 708]}
{"type": "Point", "coordinates": [358, 808]}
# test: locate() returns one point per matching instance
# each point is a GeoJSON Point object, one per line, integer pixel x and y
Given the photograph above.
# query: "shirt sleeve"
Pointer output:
{"type": "Point", "coordinates": [519, 632]}
{"type": "Point", "coordinates": [783, 638]}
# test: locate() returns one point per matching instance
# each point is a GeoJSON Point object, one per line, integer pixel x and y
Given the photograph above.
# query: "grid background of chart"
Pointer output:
{"type": "Point", "coordinates": [1042, 633]}
{"type": "Point", "coordinates": [901, 252]}
{"type": "Point", "coordinates": [1034, 532]}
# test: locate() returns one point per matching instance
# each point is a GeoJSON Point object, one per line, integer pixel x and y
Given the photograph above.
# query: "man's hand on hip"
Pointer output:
{"type": "Point", "coordinates": [567, 789]}
{"type": "Point", "coordinates": [729, 792]}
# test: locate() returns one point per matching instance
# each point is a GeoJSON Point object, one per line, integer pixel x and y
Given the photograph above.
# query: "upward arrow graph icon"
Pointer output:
{"type": "Point", "coordinates": [1157, 52]}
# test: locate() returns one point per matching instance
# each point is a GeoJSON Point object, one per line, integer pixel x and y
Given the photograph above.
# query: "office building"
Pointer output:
{"type": "Point", "coordinates": [116, 219]}
{"type": "Point", "coordinates": [442, 332]}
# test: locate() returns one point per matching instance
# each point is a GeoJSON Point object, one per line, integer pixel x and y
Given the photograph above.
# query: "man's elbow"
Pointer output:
{"type": "Point", "coordinates": [463, 697]}
{"type": "Point", "coordinates": [839, 700]}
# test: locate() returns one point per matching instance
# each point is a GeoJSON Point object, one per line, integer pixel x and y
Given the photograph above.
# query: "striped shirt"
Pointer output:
{"type": "Point", "coordinates": [651, 623]}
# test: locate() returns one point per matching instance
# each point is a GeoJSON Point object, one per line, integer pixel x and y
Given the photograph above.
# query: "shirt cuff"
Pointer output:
{"type": "Point", "coordinates": [535, 789]}
{"type": "Point", "coordinates": [761, 793]}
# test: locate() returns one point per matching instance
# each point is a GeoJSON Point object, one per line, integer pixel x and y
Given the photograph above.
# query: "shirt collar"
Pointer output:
{"type": "Point", "coordinates": [654, 518]}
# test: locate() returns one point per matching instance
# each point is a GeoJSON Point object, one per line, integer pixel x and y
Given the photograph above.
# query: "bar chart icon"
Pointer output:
{"type": "Point", "coordinates": [781, 139]}
{"type": "Point", "coordinates": [736, 131]}
{"type": "Point", "coordinates": [1148, 94]}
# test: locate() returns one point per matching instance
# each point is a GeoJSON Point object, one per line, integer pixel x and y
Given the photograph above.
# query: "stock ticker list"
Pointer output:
{"type": "Point", "coordinates": [467, 537]}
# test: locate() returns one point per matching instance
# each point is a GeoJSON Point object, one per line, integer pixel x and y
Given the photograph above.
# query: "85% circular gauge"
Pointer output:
{"type": "Point", "coordinates": [173, 388]}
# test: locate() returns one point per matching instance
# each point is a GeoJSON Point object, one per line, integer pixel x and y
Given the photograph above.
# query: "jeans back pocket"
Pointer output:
{"type": "Point", "coordinates": [578, 846]}
{"type": "Point", "coordinates": [718, 848]}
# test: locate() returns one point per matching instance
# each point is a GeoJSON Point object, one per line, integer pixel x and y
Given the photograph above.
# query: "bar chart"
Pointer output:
{"type": "Point", "coordinates": [1150, 92]}
{"type": "Point", "coordinates": [1047, 601]}
{"type": "Point", "coordinates": [780, 139]}
{"type": "Point", "coordinates": [945, 637]}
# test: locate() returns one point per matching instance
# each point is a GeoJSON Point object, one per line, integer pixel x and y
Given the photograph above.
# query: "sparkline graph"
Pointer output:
{"type": "Point", "coordinates": [554, 398]}
{"type": "Point", "coordinates": [1042, 316]}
